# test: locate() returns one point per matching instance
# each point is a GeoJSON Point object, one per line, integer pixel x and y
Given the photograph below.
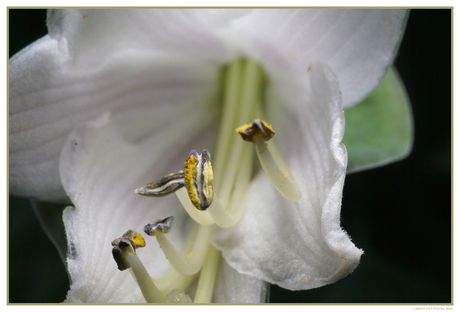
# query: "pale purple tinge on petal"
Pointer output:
{"type": "Point", "coordinates": [91, 34]}
{"type": "Point", "coordinates": [100, 170]}
{"type": "Point", "coordinates": [298, 245]}
{"type": "Point", "coordinates": [126, 61]}
{"type": "Point", "coordinates": [49, 97]}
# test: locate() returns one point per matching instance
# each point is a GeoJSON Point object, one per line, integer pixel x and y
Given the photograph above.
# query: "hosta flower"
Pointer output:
{"type": "Point", "coordinates": [112, 100]}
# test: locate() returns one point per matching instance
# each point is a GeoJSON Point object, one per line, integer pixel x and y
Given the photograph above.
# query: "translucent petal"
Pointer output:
{"type": "Point", "coordinates": [380, 129]}
{"type": "Point", "coordinates": [100, 170]}
{"type": "Point", "coordinates": [233, 287]}
{"type": "Point", "coordinates": [50, 217]}
{"type": "Point", "coordinates": [298, 245]}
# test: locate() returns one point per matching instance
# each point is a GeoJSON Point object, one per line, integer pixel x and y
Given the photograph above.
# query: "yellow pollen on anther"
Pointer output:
{"type": "Point", "coordinates": [138, 240]}
{"type": "Point", "coordinates": [190, 173]}
{"type": "Point", "coordinates": [286, 174]}
{"type": "Point", "coordinates": [198, 179]}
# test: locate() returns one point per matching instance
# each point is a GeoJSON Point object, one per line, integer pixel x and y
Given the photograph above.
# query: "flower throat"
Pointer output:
{"type": "Point", "coordinates": [211, 192]}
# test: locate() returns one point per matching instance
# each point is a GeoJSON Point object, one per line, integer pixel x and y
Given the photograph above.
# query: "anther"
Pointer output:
{"type": "Point", "coordinates": [167, 185]}
{"type": "Point", "coordinates": [161, 225]}
{"type": "Point", "coordinates": [198, 178]}
{"type": "Point", "coordinates": [199, 216]}
{"type": "Point", "coordinates": [257, 129]}
{"type": "Point", "coordinates": [124, 253]}
{"type": "Point", "coordinates": [181, 263]}
{"type": "Point", "coordinates": [128, 242]}
{"type": "Point", "coordinates": [258, 132]}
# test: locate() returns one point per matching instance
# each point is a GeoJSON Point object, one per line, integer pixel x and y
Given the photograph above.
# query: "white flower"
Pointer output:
{"type": "Point", "coordinates": [113, 99]}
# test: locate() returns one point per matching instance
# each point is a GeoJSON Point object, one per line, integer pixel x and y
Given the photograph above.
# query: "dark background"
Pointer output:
{"type": "Point", "coordinates": [400, 214]}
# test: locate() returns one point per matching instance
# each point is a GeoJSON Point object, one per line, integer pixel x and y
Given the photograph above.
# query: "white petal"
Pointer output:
{"type": "Point", "coordinates": [359, 45]}
{"type": "Point", "coordinates": [50, 96]}
{"type": "Point", "coordinates": [298, 245]}
{"type": "Point", "coordinates": [99, 171]}
{"type": "Point", "coordinates": [233, 287]}
{"type": "Point", "coordinates": [120, 59]}
{"type": "Point", "coordinates": [91, 35]}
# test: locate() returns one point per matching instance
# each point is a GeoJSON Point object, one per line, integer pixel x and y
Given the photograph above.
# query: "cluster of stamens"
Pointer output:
{"type": "Point", "coordinates": [194, 188]}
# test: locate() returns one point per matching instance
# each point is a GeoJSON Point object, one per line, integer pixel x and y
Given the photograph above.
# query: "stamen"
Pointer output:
{"type": "Point", "coordinates": [221, 216]}
{"type": "Point", "coordinates": [258, 132]}
{"type": "Point", "coordinates": [257, 129]}
{"type": "Point", "coordinates": [199, 176]}
{"type": "Point", "coordinates": [129, 239]}
{"type": "Point", "coordinates": [200, 216]}
{"type": "Point", "coordinates": [243, 95]}
{"type": "Point", "coordinates": [172, 279]}
{"type": "Point", "coordinates": [208, 275]}
{"type": "Point", "coordinates": [198, 179]}
{"type": "Point", "coordinates": [124, 253]}
{"type": "Point", "coordinates": [234, 208]}
{"type": "Point", "coordinates": [167, 185]}
{"type": "Point", "coordinates": [188, 264]}
{"type": "Point", "coordinates": [161, 225]}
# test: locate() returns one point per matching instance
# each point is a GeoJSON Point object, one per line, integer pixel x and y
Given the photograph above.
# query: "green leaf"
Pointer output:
{"type": "Point", "coordinates": [379, 130]}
